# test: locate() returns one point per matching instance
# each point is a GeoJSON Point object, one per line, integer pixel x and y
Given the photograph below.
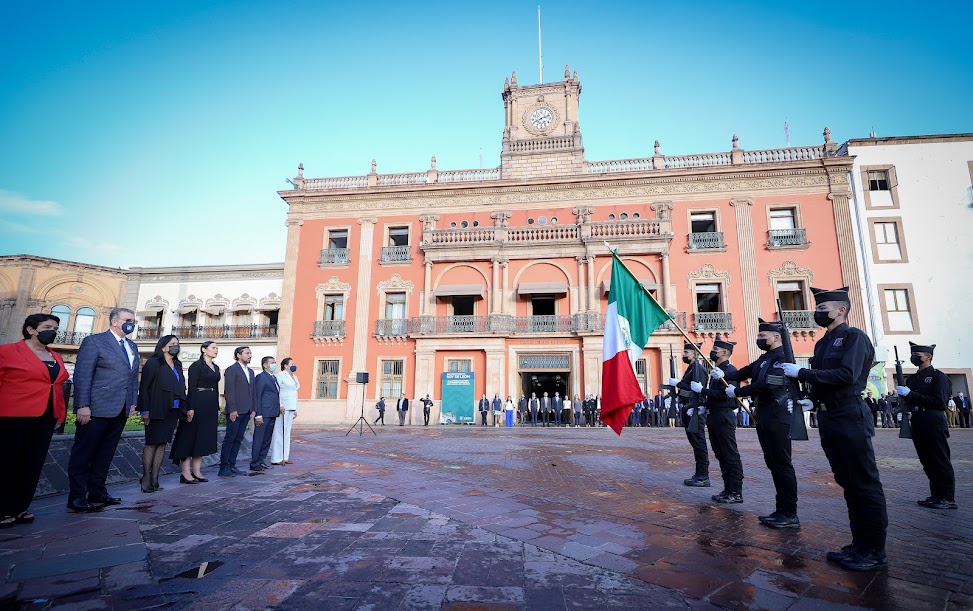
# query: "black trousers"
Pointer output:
{"type": "Point", "coordinates": [23, 448]}
{"type": "Point", "coordinates": [846, 438]}
{"type": "Point", "coordinates": [232, 440]}
{"type": "Point", "coordinates": [964, 418]}
{"type": "Point", "coordinates": [700, 452]}
{"type": "Point", "coordinates": [929, 435]}
{"type": "Point", "coordinates": [91, 455]}
{"type": "Point", "coordinates": [722, 425]}
{"type": "Point", "coordinates": [425, 415]}
{"type": "Point", "coordinates": [775, 441]}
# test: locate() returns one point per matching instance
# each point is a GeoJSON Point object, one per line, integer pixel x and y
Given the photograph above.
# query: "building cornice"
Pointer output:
{"type": "Point", "coordinates": [207, 272]}
{"type": "Point", "coordinates": [895, 140]}
{"type": "Point", "coordinates": [20, 260]}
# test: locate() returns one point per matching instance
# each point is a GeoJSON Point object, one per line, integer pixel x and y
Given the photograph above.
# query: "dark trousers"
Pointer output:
{"type": "Point", "coordinates": [262, 436]}
{"type": "Point", "coordinates": [775, 441]}
{"type": "Point", "coordinates": [697, 439]}
{"type": "Point", "coordinates": [94, 447]}
{"type": "Point", "coordinates": [577, 418]}
{"type": "Point", "coordinates": [557, 416]}
{"type": "Point", "coordinates": [846, 438]}
{"type": "Point", "coordinates": [929, 435]}
{"type": "Point", "coordinates": [722, 425]}
{"type": "Point", "coordinates": [232, 440]}
{"type": "Point", "coordinates": [533, 417]}
{"type": "Point", "coordinates": [381, 416]}
{"type": "Point", "coordinates": [964, 418]}
{"type": "Point", "coordinates": [23, 449]}
{"type": "Point", "coordinates": [483, 418]}
{"type": "Point", "coordinates": [425, 415]}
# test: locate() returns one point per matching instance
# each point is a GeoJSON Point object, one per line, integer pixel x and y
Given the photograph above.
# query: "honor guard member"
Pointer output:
{"type": "Point", "coordinates": [691, 401]}
{"type": "Point", "coordinates": [722, 423]}
{"type": "Point", "coordinates": [770, 392]}
{"type": "Point", "coordinates": [926, 394]}
{"type": "Point", "coordinates": [837, 376]}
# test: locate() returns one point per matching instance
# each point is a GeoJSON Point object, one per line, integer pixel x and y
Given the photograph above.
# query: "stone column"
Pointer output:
{"type": "Point", "coordinates": [847, 257]}
{"type": "Point", "coordinates": [505, 282]}
{"type": "Point", "coordinates": [360, 323]}
{"type": "Point", "coordinates": [285, 319]}
{"type": "Point", "coordinates": [425, 381]}
{"type": "Point", "coordinates": [427, 289]}
{"type": "Point", "coordinates": [592, 298]}
{"type": "Point", "coordinates": [751, 290]}
{"type": "Point", "coordinates": [583, 305]}
{"type": "Point", "coordinates": [666, 281]}
{"type": "Point", "coordinates": [495, 373]}
{"type": "Point", "coordinates": [495, 289]}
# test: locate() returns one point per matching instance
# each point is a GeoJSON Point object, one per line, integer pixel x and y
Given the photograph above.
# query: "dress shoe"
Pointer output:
{"type": "Point", "coordinates": [846, 552]}
{"type": "Point", "coordinates": [148, 490]}
{"type": "Point", "coordinates": [226, 474]}
{"type": "Point", "coordinates": [772, 516]}
{"type": "Point", "coordinates": [183, 480]}
{"type": "Point", "coordinates": [157, 487]}
{"type": "Point", "coordinates": [201, 480]}
{"type": "Point", "coordinates": [940, 504]}
{"type": "Point", "coordinates": [728, 497]}
{"type": "Point", "coordinates": [106, 499]}
{"type": "Point", "coordinates": [697, 482]}
{"type": "Point", "coordinates": [865, 561]}
{"type": "Point", "coordinates": [236, 471]}
{"type": "Point", "coordinates": [925, 502]}
{"type": "Point", "coordinates": [24, 517]}
{"type": "Point", "coordinates": [783, 521]}
{"type": "Point", "coordinates": [265, 466]}
{"type": "Point", "coordinates": [81, 506]}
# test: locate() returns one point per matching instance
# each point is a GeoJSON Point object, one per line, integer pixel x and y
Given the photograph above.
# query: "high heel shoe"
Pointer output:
{"type": "Point", "coordinates": [183, 480]}
{"type": "Point", "coordinates": [200, 479]}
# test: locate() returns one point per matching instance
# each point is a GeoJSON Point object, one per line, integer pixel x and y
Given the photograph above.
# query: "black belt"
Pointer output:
{"type": "Point", "coordinates": [202, 389]}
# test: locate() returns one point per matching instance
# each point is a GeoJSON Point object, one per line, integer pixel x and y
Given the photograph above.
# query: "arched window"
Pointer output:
{"type": "Point", "coordinates": [84, 320]}
{"type": "Point", "coordinates": [64, 313]}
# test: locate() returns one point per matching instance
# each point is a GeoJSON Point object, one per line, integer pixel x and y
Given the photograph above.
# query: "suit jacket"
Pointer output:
{"type": "Point", "coordinates": [963, 403]}
{"type": "Point", "coordinates": [402, 405]}
{"type": "Point", "coordinates": [104, 378]}
{"type": "Point", "coordinates": [159, 388]}
{"type": "Point", "coordinates": [535, 404]}
{"type": "Point", "coordinates": [484, 405]}
{"type": "Point", "coordinates": [872, 404]}
{"type": "Point", "coordinates": [239, 390]}
{"type": "Point", "coordinates": [884, 405]}
{"type": "Point", "coordinates": [268, 395]}
{"type": "Point", "coordinates": [25, 383]}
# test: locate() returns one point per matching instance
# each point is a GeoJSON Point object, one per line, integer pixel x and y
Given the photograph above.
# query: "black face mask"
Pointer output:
{"type": "Point", "coordinates": [173, 350]}
{"type": "Point", "coordinates": [916, 360]}
{"type": "Point", "coordinates": [46, 337]}
{"type": "Point", "coordinates": [763, 344]}
{"type": "Point", "coordinates": [687, 360]}
{"type": "Point", "coordinates": [713, 356]}
{"type": "Point", "coordinates": [822, 319]}
{"type": "Point", "coordinates": [128, 327]}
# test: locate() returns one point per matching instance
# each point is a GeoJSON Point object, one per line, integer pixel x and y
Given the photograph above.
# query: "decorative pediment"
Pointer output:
{"type": "Point", "coordinates": [393, 284]}
{"type": "Point", "coordinates": [190, 300]}
{"type": "Point", "coordinates": [217, 300]}
{"type": "Point", "coordinates": [333, 285]}
{"type": "Point", "coordinates": [790, 270]}
{"type": "Point", "coordinates": [708, 272]}
{"type": "Point", "coordinates": [157, 302]}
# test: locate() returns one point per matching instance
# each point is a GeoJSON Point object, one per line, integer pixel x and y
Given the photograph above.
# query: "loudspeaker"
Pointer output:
{"type": "Point", "coordinates": [361, 377]}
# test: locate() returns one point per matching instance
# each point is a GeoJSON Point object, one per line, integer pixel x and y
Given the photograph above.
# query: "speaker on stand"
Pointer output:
{"type": "Point", "coordinates": [361, 377]}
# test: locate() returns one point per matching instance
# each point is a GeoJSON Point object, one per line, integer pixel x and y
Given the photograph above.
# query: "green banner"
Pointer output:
{"type": "Point", "coordinates": [458, 397]}
{"type": "Point", "coordinates": [876, 380]}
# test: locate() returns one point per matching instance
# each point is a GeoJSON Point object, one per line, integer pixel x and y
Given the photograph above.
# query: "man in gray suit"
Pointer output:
{"type": "Point", "coordinates": [106, 380]}
{"type": "Point", "coordinates": [267, 408]}
{"type": "Point", "coordinates": [240, 393]}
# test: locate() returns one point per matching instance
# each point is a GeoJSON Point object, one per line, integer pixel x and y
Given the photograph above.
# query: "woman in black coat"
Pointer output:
{"type": "Point", "coordinates": [196, 435]}
{"type": "Point", "coordinates": [162, 391]}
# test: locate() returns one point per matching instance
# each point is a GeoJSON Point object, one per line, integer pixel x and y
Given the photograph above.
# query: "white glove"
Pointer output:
{"type": "Point", "coordinates": [716, 373]}
{"type": "Point", "coordinates": [690, 411]}
{"type": "Point", "coordinates": [696, 386]}
{"type": "Point", "coordinates": [903, 390]}
{"type": "Point", "coordinates": [790, 369]}
{"type": "Point", "coordinates": [731, 391]}
{"type": "Point", "coordinates": [790, 406]}
{"type": "Point", "coordinates": [702, 410]}
{"type": "Point", "coordinates": [806, 404]}
{"type": "Point", "coordinates": [674, 381]}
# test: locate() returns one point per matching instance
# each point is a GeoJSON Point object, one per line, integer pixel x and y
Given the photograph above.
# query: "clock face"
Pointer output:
{"type": "Point", "coordinates": [541, 118]}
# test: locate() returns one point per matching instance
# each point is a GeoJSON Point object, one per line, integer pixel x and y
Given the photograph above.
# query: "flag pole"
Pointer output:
{"type": "Point", "coordinates": [711, 364]}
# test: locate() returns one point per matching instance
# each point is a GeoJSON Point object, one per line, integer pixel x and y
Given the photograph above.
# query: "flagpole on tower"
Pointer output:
{"type": "Point", "coordinates": [540, 55]}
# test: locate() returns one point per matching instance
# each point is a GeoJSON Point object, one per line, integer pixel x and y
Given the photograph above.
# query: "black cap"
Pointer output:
{"type": "Point", "coordinates": [774, 327]}
{"type": "Point", "coordinates": [918, 348]}
{"type": "Point", "coordinates": [689, 346]}
{"type": "Point", "coordinates": [724, 345]}
{"type": "Point", "coordinates": [824, 295]}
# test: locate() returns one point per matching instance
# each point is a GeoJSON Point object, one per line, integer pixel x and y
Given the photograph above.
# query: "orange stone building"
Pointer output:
{"type": "Point", "coordinates": [503, 272]}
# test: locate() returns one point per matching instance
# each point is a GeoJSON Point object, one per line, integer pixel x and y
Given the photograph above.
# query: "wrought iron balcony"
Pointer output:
{"type": "Point", "coordinates": [786, 237]}
{"type": "Point", "coordinates": [589, 321]}
{"type": "Point", "coordinates": [73, 338]}
{"type": "Point", "coordinates": [393, 254]}
{"type": "Point", "coordinates": [713, 321]}
{"type": "Point", "coordinates": [223, 331]}
{"type": "Point", "coordinates": [334, 256]}
{"type": "Point", "coordinates": [449, 324]}
{"type": "Point", "coordinates": [329, 328]}
{"type": "Point", "coordinates": [392, 327]}
{"type": "Point", "coordinates": [544, 324]}
{"type": "Point", "coordinates": [678, 318]}
{"type": "Point", "coordinates": [147, 333]}
{"type": "Point", "coordinates": [799, 319]}
{"type": "Point", "coordinates": [706, 241]}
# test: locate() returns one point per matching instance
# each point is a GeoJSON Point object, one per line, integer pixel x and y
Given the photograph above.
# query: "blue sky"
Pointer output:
{"type": "Point", "coordinates": [157, 133]}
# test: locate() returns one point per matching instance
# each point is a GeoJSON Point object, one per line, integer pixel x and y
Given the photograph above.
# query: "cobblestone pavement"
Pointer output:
{"type": "Point", "coordinates": [465, 517]}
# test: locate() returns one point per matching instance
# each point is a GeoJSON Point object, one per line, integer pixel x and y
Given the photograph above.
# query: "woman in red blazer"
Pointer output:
{"type": "Point", "coordinates": [31, 405]}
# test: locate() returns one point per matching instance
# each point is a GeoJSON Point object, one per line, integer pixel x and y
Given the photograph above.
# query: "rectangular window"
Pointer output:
{"type": "Point", "coordinates": [708, 298]}
{"type": "Point", "coordinates": [641, 375]}
{"type": "Point", "coordinates": [394, 306]}
{"type": "Point", "coordinates": [328, 373]}
{"type": "Point", "coordinates": [887, 245]}
{"type": "Point", "coordinates": [791, 295]}
{"type": "Point", "coordinates": [878, 180]}
{"type": "Point", "coordinates": [899, 311]}
{"type": "Point", "coordinates": [463, 306]}
{"type": "Point", "coordinates": [703, 222]}
{"type": "Point", "coordinates": [334, 307]}
{"type": "Point", "coordinates": [458, 365]}
{"type": "Point", "coordinates": [542, 305]}
{"type": "Point", "coordinates": [783, 218]}
{"type": "Point", "coordinates": [392, 378]}
{"type": "Point", "coordinates": [398, 236]}
{"type": "Point", "coordinates": [338, 238]}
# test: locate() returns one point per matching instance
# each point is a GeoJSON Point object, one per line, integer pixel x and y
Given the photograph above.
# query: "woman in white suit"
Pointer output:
{"type": "Point", "coordinates": [281, 447]}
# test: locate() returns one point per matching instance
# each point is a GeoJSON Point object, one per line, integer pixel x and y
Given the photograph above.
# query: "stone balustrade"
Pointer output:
{"type": "Point", "coordinates": [411, 178]}
{"type": "Point", "coordinates": [797, 153]}
{"type": "Point", "coordinates": [469, 175]}
{"type": "Point", "coordinates": [698, 161]}
{"type": "Point", "coordinates": [640, 228]}
{"type": "Point", "coordinates": [543, 233]}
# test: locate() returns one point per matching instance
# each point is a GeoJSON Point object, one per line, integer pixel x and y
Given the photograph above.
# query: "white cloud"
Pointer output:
{"type": "Point", "coordinates": [15, 203]}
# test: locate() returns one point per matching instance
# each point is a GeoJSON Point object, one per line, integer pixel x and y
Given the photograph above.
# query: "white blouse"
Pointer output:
{"type": "Point", "coordinates": [288, 389]}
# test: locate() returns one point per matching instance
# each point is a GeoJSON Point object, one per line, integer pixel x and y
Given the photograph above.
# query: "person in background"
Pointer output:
{"type": "Point", "coordinates": [268, 408]}
{"type": "Point", "coordinates": [535, 405]}
{"type": "Point", "coordinates": [196, 435]}
{"type": "Point", "coordinates": [426, 408]}
{"type": "Point", "coordinates": [239, 390]}
{"type": "Point", "coordinates": [402, 407]}
{"type": "Point", "coordinates": [577, 405]}
{"type": "Point", "coordinates": [873, 407]}
{"type": "Point", "coordinates": [162, 392]}
{"type": "Point", "coordinates": [496, 408]}
{"type": "Point", "coordinates": [951, 413]}
{"type": "Point", "coordinates": [484, 408]}
{"type": "Point", "coordinates": [280, 449]}
{"type": "Point", "coordinates": [886, 406]}
{"type": "Point", "coordinates": [508, 409]}
{"type": "Point", "coordinates": [380, 406]}
{"type": "Point", "coordinates": [963, 409]}
{"type": "Point", "coordinates": [31, 405]}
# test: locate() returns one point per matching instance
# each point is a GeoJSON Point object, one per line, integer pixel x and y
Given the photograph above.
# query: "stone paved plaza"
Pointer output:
{"type": "Point", "coordinates": [465, 517]}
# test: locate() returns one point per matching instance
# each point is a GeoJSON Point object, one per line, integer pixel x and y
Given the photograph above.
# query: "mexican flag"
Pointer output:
{"type": "Point", "coordinates": [631, 318]}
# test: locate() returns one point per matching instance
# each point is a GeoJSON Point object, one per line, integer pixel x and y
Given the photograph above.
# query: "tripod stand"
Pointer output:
{"type": "Point", "coordinates": [361, 423]}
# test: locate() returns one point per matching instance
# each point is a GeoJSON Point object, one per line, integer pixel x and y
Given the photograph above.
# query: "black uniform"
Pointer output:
{"type": "Point", "coordinates": [837, 376]}
{"type": "Point", "coordinates": [930, 390]}
{"type": "Point", "coordinates": [697, 439]}
{"type": "Point", "coordinates": [768, 390]}
{"type": "Point", "coordinates": [722, 423]}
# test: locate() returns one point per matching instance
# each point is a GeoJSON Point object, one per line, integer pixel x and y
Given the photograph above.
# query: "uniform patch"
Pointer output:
{"type": "Point", "coordinates": [929, 379]}
{"type": "Point", "coordinates": [837, 343]}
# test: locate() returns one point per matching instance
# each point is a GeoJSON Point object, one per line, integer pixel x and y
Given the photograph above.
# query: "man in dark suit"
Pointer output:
{"type": "Point", "coordinates": [660, 409]}
{"type": "Point", "coordinates": [239, 390]}
{"type": "Point", "coordinates": [546, 409]}
{"type": "Point", "coordinates": [557, 407]}
{"type": "Point", "coordinates": [963, 409]}
{"type": "Point", "coordinates": [402, 407]}
{"type": "Point", "coordinates": [886, 407]}
{"type": "Point", "coordinates": [872, 406]}
{"type": "Point", "coordinates": [535, 405]}
{"type": "Point", "coordinates": [267, 408]}
{"type": "Point", "coordinates": [483, 406]}
{"type": "Point", "coordinates": [105, 387]}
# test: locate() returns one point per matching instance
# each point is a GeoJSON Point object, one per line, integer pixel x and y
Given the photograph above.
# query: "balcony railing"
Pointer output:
{"type": "Point", "coordinates": [334, 256]}
{"type": "Point", "coordinates": [224, 331]}
{"type": "Point", "coordinates": [329, 328]}
{"type": "Point", "coordinates": [706, 241]}
{"type": "Point", "coordinates": [786, 237]}
{"type": "Point", "coordinates": [147, 333]}
{"type": "Point", "coordinates": [396, 253]}
{"type": "Point", "coordinates": [589, 321]}
{"type": "Point", "coordinates": [713, 321]}
{"type": "Point", "coordinates": [545, 324]}
{"type": "Point", "coordinates": [678, 317]}
{"type": "Point", "coordinates": [73, 338]}
{"type": "Point", "coordinates": [800, 319]}
{"type": "Point", "coordinates": [392, 327]}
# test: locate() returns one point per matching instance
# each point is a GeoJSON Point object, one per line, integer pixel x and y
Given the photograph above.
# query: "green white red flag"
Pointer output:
{"type": "Point", "coordinates": [631, 318]}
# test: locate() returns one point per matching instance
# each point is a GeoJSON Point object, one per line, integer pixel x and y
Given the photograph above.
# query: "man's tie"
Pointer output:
{"type": "Point", "coordinates": [121, 344]}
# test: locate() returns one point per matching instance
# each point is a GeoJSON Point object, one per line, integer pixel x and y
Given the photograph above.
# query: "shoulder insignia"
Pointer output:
{"type": "Point", "coordinates": [929, 379]}
{"type": "Point", "coordinates": [838, 342]}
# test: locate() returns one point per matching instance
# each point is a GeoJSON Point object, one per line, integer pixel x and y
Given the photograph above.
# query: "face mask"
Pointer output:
{"type": "Point", "coordinates": [293, 368]}
{"type": "Point", "coordinates": [272, 367]}
{"type": "Point", "coordinates": [916, 360]}
{"type": "Point", "coordinates": [46, 337]}
{"type": "Point", "coordinates": [713, 356]}
{"type": "Point", "coordinates": [174, 350]}
{"type": "Point", "coordinates": [763, 344]}
{"type": "Point", "coordinates": [687, 360]}
{"type": "Point", "coordinates": [128, 327]}
{"type": "Point", "coordinates": [822, 319]}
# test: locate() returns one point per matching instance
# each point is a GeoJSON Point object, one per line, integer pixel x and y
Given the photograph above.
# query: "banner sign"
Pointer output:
{"type": "Point", "coordinates": [458, 397]}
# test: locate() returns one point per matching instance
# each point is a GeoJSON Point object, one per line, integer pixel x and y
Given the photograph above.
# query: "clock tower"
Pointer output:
{"type": "Point", "coordinates": [541, 135]}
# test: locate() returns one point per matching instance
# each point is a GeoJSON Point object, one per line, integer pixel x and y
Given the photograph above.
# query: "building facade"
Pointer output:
{"type": "Point", "coordinates": [503, 272]}
{"type": "Point", "coordinates": [913, 202]}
